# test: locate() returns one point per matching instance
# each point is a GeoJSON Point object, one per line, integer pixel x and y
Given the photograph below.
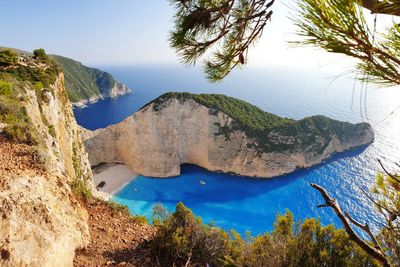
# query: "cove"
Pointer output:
{"type": "Point", "coordinates": [249, 204]}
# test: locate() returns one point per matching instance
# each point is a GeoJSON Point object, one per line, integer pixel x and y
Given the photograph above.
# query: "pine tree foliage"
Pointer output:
{"type": "Point", "coordinates": [222, 31]}
{"type": "Point", "coordinates": [224, 28]}
{"type": "Point", "coordinates": [340, 26]}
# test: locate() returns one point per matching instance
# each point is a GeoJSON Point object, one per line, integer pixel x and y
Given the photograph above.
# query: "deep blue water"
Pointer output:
{"type": "Point", "coordinates": [250, 204]}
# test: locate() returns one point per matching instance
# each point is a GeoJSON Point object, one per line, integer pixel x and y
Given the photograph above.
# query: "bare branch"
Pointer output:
{"type": "Point", "coordinates": [389, 174]}
{"type": "Point", "coordinates": [381, 7]}
{"type": "Point", "coordinates": [365, 228]}
{"type": "Point", "coordinates": [372, 251]}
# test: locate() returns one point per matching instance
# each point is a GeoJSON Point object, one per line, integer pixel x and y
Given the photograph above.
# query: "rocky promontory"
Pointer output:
{"type": "Point", "coordinates": [220, 133]}
{"type": "Point", "coordinates": [88, 85]}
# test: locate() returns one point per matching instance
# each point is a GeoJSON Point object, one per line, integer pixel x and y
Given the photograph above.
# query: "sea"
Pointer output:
{"type": "Point", "coordinates": [247, 204]}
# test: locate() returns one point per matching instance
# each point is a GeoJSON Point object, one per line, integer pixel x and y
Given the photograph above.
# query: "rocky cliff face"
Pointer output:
{"type": "Point", "coordinates": [156, 140]}
{"type": "Point", "coordinates": [117, 90]}
{"type": "Point", "coordinates": [42, 224]}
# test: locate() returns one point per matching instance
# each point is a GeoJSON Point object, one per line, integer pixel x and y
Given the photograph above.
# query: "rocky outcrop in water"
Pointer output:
{"type": "Point", "coordinates": [220, 133]}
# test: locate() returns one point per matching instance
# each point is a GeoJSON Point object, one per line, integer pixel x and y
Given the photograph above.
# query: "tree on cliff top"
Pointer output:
{"type": "Point", "coordinates": [40, 54]}
{"type": "Point", "coordinates": [222, 31]}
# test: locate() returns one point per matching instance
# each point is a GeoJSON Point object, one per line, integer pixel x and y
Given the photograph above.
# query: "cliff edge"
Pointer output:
{"type": "Point", "coordinates": [220, 133]}
{"type": "Point", "coordinates": [42, 158]}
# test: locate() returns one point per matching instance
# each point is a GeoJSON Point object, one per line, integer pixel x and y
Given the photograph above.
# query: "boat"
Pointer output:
{"type": "Point", "coordinates": [202, 182]}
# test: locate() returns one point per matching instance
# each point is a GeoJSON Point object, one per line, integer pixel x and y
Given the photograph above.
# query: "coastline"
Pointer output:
{"type": "Point", "coordinates": [96, 98]}
{"type": "Point", "coordinates": [115, 176]}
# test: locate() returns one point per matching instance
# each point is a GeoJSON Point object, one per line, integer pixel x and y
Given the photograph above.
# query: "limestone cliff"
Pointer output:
{"type": "Point", "coordinates": [41, 222]}
{"type": "Point", "coordinates": [119, 89]}
{"type": "Point", "coordinates": [184, 128]}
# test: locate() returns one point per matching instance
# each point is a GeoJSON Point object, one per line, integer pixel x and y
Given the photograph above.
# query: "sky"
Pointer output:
{"type": "Point", "coordinates": [134, 32]}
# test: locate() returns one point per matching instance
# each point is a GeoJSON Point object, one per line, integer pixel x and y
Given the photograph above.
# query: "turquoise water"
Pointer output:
{"type": "Point", "coordinates": [241, 203]}
{"type": "Point", "coordinates": [250, 204]}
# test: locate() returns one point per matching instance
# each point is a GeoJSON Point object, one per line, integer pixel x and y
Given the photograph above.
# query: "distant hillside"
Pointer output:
{"type": "Point", "coordinates": [88, 84]}
{"type": "Point", "coordinates": [85, 84]}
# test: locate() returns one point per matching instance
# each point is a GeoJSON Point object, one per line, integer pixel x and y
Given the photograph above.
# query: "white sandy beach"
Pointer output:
{"type": "Point", "coordinates": [115, 178]}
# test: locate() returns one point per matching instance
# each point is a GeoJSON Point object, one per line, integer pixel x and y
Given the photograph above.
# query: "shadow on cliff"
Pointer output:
{"type": "Point", "coordinates": [196, 185]}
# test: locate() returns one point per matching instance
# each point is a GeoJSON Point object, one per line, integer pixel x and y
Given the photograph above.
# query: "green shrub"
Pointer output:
{"type": "Point", "coordinates": [118, 207]}
{"type": "Point", "coordinates": [40, 54]}
{"type": "Point", "coordinates": [37, 86]}
{"type": "Point", "coordinates": [6, 88]}
{"type": "Point", "coordinates": [80, 188]}
{"type": "Point", "coordinates": [8, 57]}
{"type": "Point", "coordinates": [182, 238]}
{"type": "Point", "coordinates": [141, 220]}
{"type": "Point", "coordinates": [19, 127]}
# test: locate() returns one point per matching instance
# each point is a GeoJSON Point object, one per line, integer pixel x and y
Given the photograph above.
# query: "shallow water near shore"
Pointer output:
{"type": "Point", "coordinates": [251, 204]}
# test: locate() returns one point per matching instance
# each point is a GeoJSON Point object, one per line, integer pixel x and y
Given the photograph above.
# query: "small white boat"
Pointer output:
{"type": "Point", "coordinates": [135, 189]}
{"type": "Point", "coordinates": [202, 182]}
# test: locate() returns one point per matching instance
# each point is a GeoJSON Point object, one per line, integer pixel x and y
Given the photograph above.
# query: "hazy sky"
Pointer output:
{"type": "Point", "coordinates": [126, 32]}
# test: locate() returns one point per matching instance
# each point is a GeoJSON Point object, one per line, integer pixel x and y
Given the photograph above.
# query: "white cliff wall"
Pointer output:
{"type": "Point", "coordinates": [41, 222]}
{"type": "Point", "coordinates": [155, 143]}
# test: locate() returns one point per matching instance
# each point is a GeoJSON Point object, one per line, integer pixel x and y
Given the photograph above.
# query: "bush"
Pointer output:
{"type": "Point", "coordinates": [40, 54]}
{"type": "Point", "coordinates": [80, 188]}
{"type": "Point", "coordinates": [6, 88]}
{"type": "Point", "coordinates": [182, 239]}
{"type": "Point", "coordinates": [12, 113]}
{"type": "Point", "coordinates": [141, 220]}
{"type": "Point", "coordinates": [37, 86]}
{"type": "Point", "coordinates": [118, 207]}
{"type": "Point", "coordinates": [8, 57]}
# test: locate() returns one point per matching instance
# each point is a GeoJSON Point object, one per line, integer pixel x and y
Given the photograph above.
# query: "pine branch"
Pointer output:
{"type": "Point", "coordinates": [224, 28]}
{"type": "Point", "coordinates": [339, 26]}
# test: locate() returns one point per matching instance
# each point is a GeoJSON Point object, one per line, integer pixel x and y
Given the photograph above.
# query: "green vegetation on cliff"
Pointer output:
{"type": "Point", "coordinates": [17, 124]}
{"type": "Point", "coordinates": [245, 114]}
{"type": "Point", "coordinates": [270, 132]}
{"type": "Point", "coordinates": [36, 73]}
{"type": "Point", "coordinates": [83, 82]}
{"type": "Point", "coordinates": [38, 68]}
